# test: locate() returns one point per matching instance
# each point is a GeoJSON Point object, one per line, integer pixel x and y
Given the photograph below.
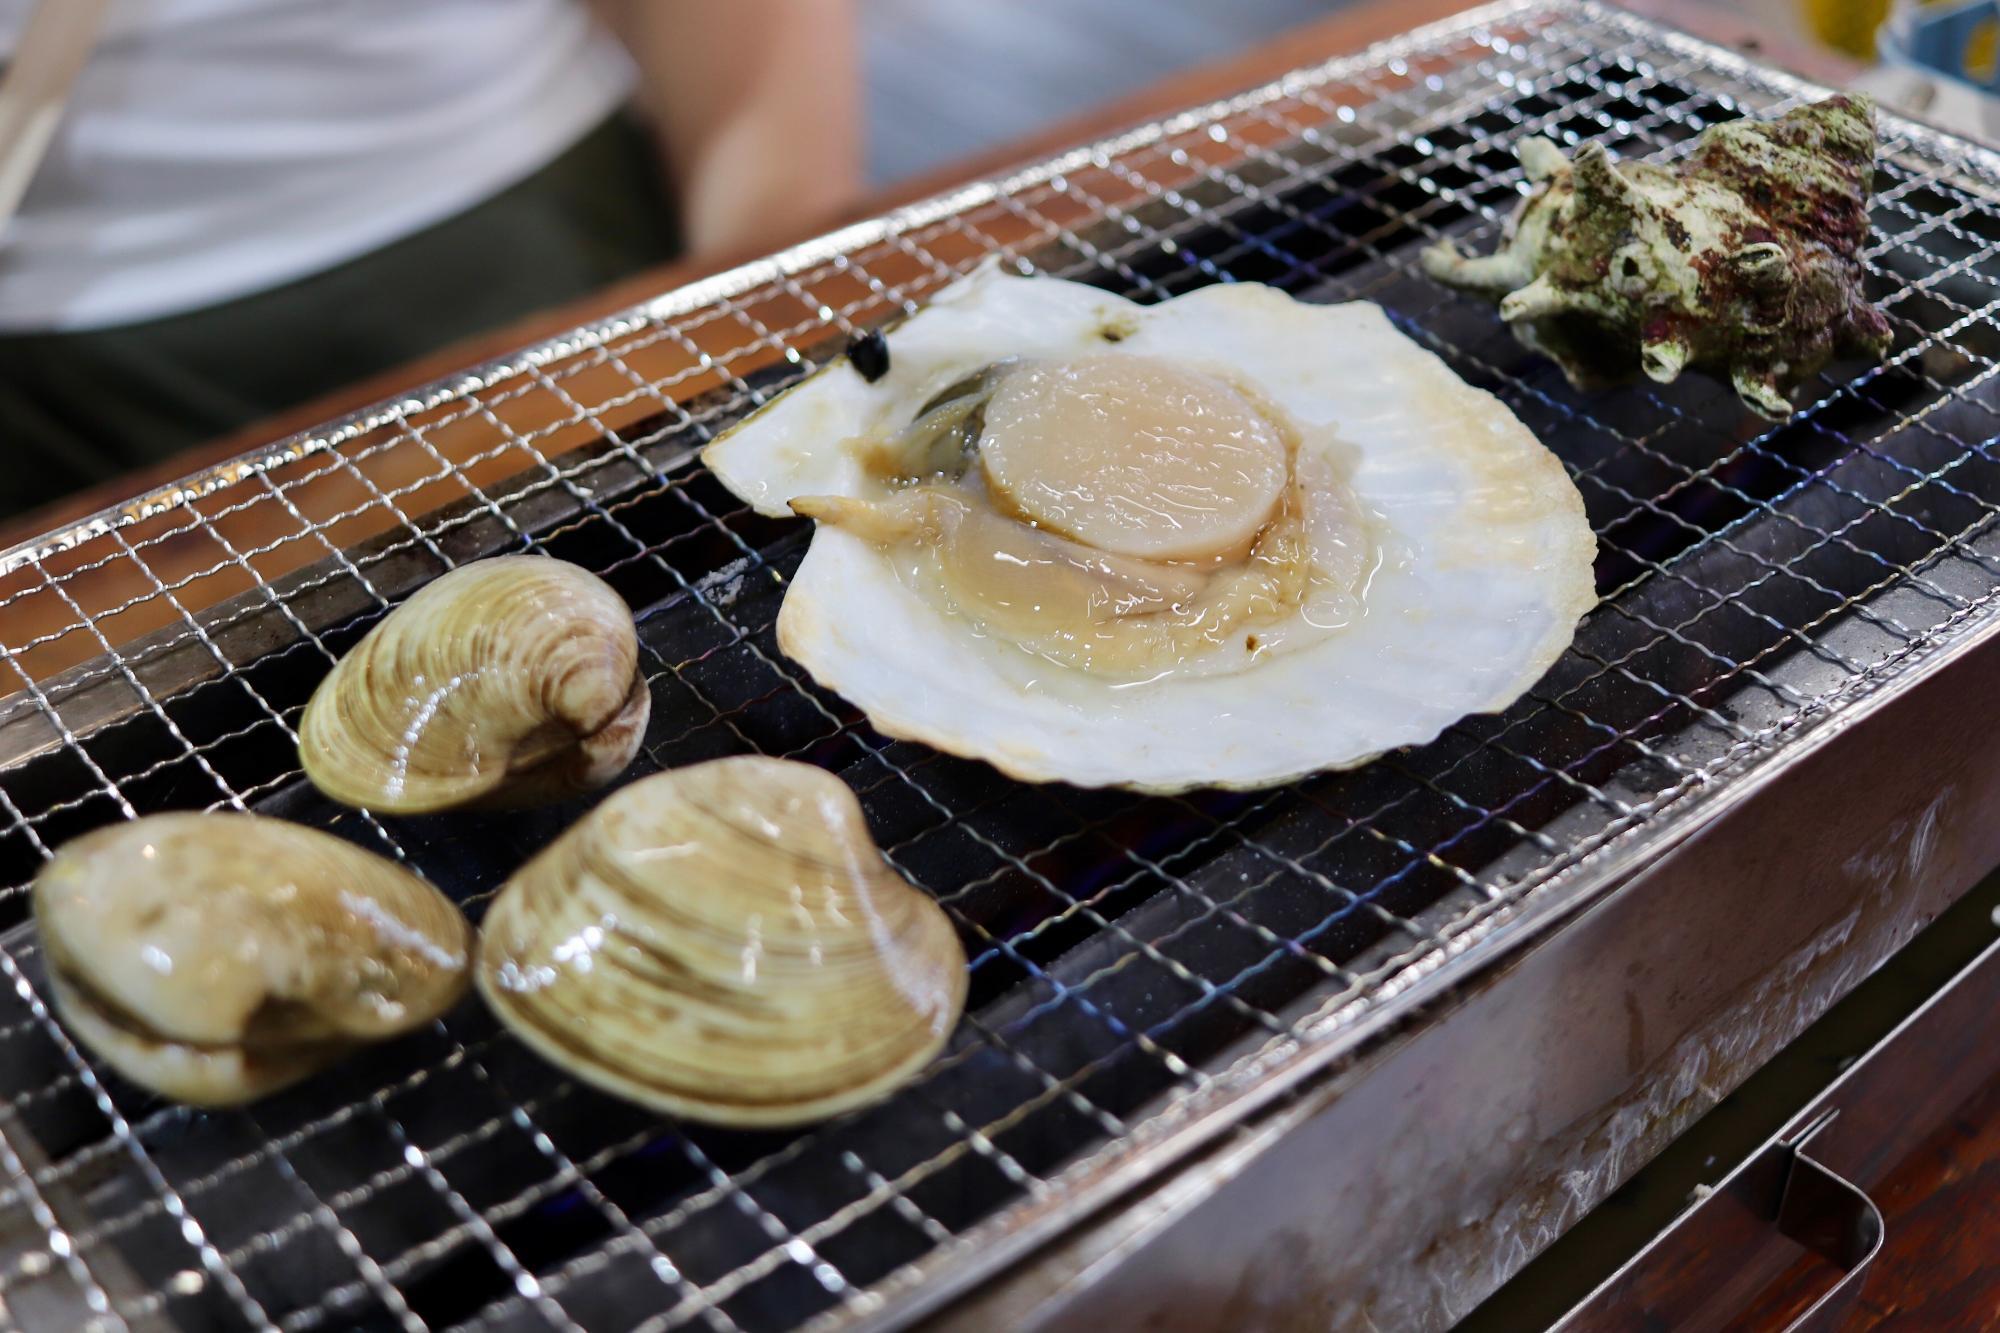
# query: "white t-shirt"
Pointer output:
{"type": "Point", "coordinates": [215, 148]}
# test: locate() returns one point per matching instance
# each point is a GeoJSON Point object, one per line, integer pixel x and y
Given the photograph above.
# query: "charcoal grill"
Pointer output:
{"type": "Point", "coordinates": [1181, 1007]}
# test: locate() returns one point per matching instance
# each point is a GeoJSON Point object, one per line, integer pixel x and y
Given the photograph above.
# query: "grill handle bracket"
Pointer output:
{"type": "Point", "coordinates": [1700, 1273]}
{"type": "Point", "coordinates": [1835, 1219]}
{"type": "Point", "coordinates": [1703, 1271]}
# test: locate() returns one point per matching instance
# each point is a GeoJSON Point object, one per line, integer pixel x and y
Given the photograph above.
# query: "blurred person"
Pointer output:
{"type": "Point", "coordinates": [250, 203]}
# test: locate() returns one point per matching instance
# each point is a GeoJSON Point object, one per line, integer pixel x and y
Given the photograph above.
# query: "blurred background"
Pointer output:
{"type": "Point", "coordinates": [1038, 61]}
{"type": "Point", "coordinates": [252, 215]}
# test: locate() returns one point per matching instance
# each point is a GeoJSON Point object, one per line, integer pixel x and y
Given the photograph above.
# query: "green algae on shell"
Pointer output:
{"type": "Point", "coordinates": [1741, 259]}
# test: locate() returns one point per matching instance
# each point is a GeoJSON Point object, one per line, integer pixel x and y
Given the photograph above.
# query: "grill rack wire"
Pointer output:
{"type": "Point", "coordinates": [1145, 970]}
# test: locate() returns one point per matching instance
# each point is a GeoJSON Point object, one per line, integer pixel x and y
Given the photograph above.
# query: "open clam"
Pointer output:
{"type": "Point", "coordinates": [725, 942]}
{"type": "Point", "coordinates": [505, 682]}
{"type": "Point", "coordinates": [215, 958]}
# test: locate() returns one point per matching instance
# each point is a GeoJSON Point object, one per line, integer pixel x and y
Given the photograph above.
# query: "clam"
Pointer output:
{"type": "Point", "coordinates": [726, 943]}
{"type": "Point", "coordinates": [215, 958]}
{"type": "Point", "coordinates": [505, 682]}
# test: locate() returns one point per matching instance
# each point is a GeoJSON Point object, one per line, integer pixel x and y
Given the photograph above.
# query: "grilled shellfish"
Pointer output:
{"type": "Point", "coordinates": [505, 682]}
{"type": "Point", "coordinates": [216, 958]}
{"type": "Point", "coordinates": [1742, 257]}
{"type": "Point", "coordinates": [725, 942]}
{"type": "Point", "coordinates": [1224, 540]}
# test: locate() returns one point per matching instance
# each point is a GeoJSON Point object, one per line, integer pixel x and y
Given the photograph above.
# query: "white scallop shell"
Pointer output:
{"type": "Point", "coordinates": [1487, 551]}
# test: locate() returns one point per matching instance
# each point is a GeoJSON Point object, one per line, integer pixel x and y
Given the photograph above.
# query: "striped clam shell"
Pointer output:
{"type": "Point", "coordinates": [725, 942]}
{"type": "Point", "coordinates": [509, 681]}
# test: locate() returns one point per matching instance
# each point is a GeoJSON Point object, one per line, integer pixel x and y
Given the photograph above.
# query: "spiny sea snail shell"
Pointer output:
{"type": "Point", "coordinates": [216, 958]}
{"type": "Point", "coordinates": [726, 943]}
{"type": "Point", "coordinates": [505, 682]}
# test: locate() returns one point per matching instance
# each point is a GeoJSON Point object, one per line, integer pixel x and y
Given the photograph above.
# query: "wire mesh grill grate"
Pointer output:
{"type": "Point", "coordinates": [1138, 963]}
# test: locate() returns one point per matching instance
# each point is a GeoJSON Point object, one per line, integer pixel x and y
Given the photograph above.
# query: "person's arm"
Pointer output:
{"type": "Point", "coordinates": [757, 104]}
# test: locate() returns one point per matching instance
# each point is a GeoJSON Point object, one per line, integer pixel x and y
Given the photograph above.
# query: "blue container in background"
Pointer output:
{"type": "Point", "coordinates": [1959, 41]}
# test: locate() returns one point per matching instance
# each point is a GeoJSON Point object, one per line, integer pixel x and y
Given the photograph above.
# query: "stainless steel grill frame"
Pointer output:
{"type": "Point", "coordinates": [1147, 972]}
